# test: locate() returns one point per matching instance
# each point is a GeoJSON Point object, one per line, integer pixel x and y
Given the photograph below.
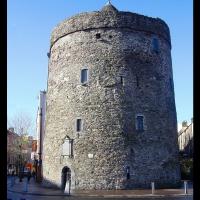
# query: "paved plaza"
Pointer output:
{"type": "Point", "coordinates": [18, 191]}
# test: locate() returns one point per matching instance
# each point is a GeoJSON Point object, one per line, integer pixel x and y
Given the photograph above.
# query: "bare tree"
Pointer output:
{"type": "Point", "coordinates": [22, 123]}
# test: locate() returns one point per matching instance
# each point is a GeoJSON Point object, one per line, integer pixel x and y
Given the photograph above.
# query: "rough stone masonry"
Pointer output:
{"type": "Point", "coordinates": [111, 117]}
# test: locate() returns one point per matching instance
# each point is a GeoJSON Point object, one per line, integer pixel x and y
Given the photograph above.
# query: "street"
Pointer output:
{"type": "Point", "coordinates": [16, 196]}
{"type": "Point", "coordinates": [39, 193]}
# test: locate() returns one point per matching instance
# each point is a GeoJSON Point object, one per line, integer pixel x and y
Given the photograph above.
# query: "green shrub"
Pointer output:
{"type": "Point", "coordinates": [186, 168]}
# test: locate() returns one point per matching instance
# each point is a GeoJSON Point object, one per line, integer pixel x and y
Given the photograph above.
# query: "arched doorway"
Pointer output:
{"type": "Point", "coordinates": [65, 177]}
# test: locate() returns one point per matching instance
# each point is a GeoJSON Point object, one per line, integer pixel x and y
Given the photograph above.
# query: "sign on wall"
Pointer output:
{"type": "Point", "coordinates": [67, 148]}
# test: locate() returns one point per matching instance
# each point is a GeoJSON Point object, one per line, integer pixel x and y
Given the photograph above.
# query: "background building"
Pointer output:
{"type": "Point", "coordinates": [111, 116]}
{"type": "Point", "coordinates": [40, 129]}
{"type": "Point", "coordinates": [34, 150]}
{"type": "Point", "coordinates": [185, 139]}
{"type": "Point", "coordinates": [27, 148]}
{"type": "Point", "coordinates": [19, 150]}
{"type": "Point", "coordinates": [13, 151]}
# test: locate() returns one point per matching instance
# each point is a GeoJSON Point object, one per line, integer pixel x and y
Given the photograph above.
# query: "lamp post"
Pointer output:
{"type": "Point", "coordinates": [35, 167]}
{"type": "Point", "coordinates": [20, 164]}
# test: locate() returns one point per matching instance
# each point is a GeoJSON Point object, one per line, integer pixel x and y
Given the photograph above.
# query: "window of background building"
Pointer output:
{"type": "Point", "coordinates": [84, 76]}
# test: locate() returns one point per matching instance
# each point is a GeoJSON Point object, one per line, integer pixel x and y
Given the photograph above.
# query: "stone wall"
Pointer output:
{"type": "Point", "coordinates": [108, 107]}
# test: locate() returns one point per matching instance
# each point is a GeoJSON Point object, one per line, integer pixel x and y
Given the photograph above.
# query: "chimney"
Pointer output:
{"type": "Point", "coordinates": [184, 124]}
{"type": "Point", "coordinates": [11, 129]}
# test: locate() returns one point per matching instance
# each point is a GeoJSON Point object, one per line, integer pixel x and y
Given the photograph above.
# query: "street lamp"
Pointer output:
{"type": "Point", "coordinates": [20, 164]}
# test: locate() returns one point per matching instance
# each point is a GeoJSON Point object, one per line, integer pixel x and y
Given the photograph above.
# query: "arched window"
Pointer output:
{"type": "Point", "coordinates": [84, 76]}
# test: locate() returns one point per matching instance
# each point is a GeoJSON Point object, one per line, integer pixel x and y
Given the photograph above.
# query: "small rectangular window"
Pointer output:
{"type": "Point", "coordinates": [84, 76]}
{"type": "Point", "coordinates": [140, 123]}
{"type": "Point", "coordinates": [137, 81]}
{"type": "Point", "coordinates": [155, 45]}
{"type": "Point", "coordinates": [98, 35]}
{"type": "Point", "coordinates": [78, 125]}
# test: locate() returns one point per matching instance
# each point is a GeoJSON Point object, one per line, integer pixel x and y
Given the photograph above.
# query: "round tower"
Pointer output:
{"type": "Point", "coordinates": [111, 117]}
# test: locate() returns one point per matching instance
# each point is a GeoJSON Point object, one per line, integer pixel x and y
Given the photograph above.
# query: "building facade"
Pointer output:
{"type": "Point", "coordinates": [111, 117]}
{"type": "Point", "coordinates": [34, 150]}
{"type": "Point", "coordinates": [185, 139]}
{"type": "Point", "coordinates": [40, 129]}
{"type": "Point", "coordinates": [40, 122]}
{"type": "Point", "coordinates": [27, 149]}
{"type": "Point", "coordinates": [13, 151]}
{"type": "Point", "coordinates": [19, 150]}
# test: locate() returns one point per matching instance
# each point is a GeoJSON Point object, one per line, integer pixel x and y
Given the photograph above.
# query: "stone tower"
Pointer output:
{"type": "Point", "coordinates": [111, 116]}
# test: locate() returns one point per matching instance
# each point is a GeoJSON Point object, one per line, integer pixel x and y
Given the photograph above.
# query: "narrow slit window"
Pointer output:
{"type": "Point", "coordinates": [171, 84]}
{"type": "Point", "coordinates": [84, 76]}
{"type": "Point", "coordinates": [140, 123]}
{"type": "Point", "coordinates": [155, 45]}
{"type": "Point", "coordinates": [132, 151]}
{"type": "Point", "coordinates": [137, 81]}
{"type": "Point", "coordinates": [122, 80]}
{"type": "Point", "coordinates": [127, 173]}
{"type": "Point", "coordinates": [78, 125]}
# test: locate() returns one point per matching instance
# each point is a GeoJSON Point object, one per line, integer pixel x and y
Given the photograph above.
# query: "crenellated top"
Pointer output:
{"type": "Point", "coordinates": [110, 17]}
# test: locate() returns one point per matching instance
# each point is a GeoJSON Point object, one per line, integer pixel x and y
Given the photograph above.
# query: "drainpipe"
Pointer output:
{"type": "Point", "coordinates": [39, 171]}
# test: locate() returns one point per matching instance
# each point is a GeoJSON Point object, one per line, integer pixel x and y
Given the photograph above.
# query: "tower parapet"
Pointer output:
{"type": "Point", "coordinates": [110, 17]}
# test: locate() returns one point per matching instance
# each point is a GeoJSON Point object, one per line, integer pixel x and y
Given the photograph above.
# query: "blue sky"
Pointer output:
{"type": "Point", "coordinates": [30, 23]}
